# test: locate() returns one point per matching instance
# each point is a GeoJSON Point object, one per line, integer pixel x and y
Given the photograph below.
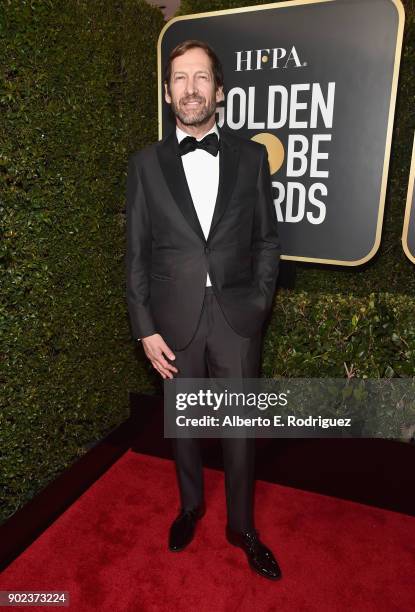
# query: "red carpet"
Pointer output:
{"type": "Point", "coordinates": [109, 550]}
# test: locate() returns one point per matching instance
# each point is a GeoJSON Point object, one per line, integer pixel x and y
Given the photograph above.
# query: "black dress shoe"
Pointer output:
{"type": "Point", "coordinates": [182, 529]}
{"type": "Point", "coordinates": [260, 557]}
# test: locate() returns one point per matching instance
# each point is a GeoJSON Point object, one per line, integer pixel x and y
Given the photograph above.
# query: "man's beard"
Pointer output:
{"type": "Point", "coordinates": [196, 116]}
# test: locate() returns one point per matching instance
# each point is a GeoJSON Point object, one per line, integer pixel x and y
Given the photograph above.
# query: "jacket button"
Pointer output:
{"type": "Point", "coordinates": [207, 250]}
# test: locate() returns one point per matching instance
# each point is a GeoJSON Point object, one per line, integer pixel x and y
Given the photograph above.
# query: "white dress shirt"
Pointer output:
{"type": "Point", "coordinates": [202, 174]}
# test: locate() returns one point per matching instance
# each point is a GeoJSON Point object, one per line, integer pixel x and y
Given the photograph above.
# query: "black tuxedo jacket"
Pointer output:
{"type": "Point", "coordinates": [167, 253]}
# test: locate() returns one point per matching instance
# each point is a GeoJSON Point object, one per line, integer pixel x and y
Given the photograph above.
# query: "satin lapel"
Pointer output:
{"type": "Point", "coordinates": [173, 171]}
{"type": "Point", "coordinates": [228, 168]}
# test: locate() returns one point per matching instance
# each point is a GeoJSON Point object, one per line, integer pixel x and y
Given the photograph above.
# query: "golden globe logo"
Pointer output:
{"type": "Point", "coordinates": [306, 112]}
{"type": "Point", "coordinates": [325, 119]}
{"type": "Point", "coordinates": [257, 59]}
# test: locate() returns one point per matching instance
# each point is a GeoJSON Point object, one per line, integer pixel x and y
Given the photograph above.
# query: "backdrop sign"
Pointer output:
{"type": "Point", "coordinates": [315, 81]}
{"type": "Point", "coordinates": [408, 235]}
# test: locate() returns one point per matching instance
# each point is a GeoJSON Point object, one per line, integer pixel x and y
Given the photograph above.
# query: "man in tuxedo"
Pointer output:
{"type": "Point", "coordinates": [202, 265]}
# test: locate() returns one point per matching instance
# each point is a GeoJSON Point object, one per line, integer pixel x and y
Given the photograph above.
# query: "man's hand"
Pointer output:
{"type": "Point", "coordinates": [154, 347]}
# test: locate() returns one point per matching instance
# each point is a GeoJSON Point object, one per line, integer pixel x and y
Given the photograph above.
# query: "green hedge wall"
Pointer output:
{"type": "Point", "coordinates": [359, 320]}
{"type": "Point", "coordinates": [78, 95]}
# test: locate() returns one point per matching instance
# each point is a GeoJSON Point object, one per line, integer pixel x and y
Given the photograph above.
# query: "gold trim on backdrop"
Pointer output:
{"type": "Point", "coordinates": [401, 15]}
{"type": "Point", "coordinates": [408, 208]}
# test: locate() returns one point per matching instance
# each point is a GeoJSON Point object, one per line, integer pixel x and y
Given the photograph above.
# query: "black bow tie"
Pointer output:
{"type": "Point", "coordinates": [209, 143]}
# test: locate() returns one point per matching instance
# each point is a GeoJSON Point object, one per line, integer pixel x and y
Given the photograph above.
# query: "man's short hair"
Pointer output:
{"type": "Point", "coordinates": [181, 49]}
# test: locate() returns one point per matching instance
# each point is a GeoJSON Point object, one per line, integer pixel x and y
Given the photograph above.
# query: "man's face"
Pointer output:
{"type": "Point", "coordinates": [192, 94]}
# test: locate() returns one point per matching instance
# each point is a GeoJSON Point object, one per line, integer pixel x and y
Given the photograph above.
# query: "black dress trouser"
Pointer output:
{"type": "Point", "coordinates": [217, 351]}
